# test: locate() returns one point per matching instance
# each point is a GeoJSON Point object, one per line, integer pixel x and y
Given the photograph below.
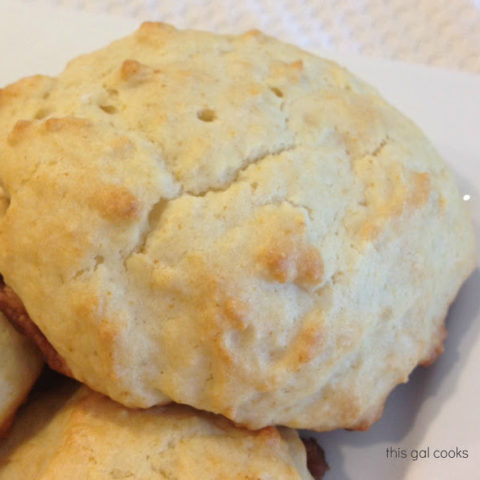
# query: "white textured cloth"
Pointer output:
{"type": "Point", "coordinates": [443, 33]}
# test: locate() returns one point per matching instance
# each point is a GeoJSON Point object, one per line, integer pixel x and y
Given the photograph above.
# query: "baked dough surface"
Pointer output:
{"type": "Point", "coordinates": [78, 435]}
{"type": "Point", "coordinates": [231, 223]}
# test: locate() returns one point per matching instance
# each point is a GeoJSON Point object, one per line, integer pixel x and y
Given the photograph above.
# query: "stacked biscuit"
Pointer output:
{"type": "Point", "coordinates": [225, 222]}
{"type": "Point", "coordinates": [20, 367]}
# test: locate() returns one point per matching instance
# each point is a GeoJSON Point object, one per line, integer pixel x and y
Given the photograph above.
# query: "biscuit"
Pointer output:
{"type": "Point", "coordinates": [81, 434]}
{"type": "Point", "coordinates": [20, 365]}
{"type": "Point", "coordinates": [15, 313]}
{"type": "Point", "coordinates": [228, 222]}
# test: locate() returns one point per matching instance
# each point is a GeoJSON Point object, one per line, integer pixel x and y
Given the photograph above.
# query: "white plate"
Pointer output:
{"type": "Point", "coordinates": [439, 407]}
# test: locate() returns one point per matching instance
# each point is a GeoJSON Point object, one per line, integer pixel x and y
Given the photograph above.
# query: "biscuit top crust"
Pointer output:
{"type": "Point", "coordinates": [228, 222]}
{"type": "Point", "coordinates": [81, 434]}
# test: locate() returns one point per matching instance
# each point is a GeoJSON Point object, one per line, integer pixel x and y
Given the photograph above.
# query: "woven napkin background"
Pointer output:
{"type": "Point", "coordinates": [444, 33]}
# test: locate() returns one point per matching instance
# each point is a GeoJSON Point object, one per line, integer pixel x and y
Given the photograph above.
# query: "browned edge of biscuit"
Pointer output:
{"type": "Point", "coordinates": [8, 422]}
{"type": "Point", "coordinates": [437, 349]}
{"type": "Point", "coordinates": [45, 376]}
{"type": "Point", "coordinates": [13, 309]}
{"type": "Point", "coordinates": [316, 463]}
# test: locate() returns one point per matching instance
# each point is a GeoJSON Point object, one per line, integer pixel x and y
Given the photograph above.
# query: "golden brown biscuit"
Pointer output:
{"type": "Point", "coordinates": [83, 435]}
{"type": "Point", "coordinates": [14, 311]}
{"type": "Point", "coordinates": [20, 365]}
{"type": "Point", "coordinates": [231, 223]}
